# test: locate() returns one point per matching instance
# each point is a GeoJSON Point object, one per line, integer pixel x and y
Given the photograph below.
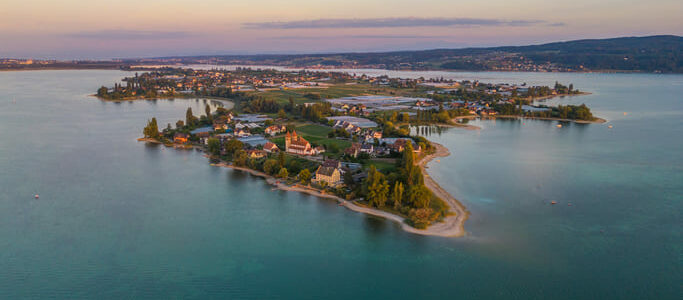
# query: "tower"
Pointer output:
{"type": "Point", "coordinates": [288, 140]}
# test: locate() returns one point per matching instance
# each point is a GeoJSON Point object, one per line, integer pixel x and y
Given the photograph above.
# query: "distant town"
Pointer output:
{"type": "Point", "coordinates": [354, 137]}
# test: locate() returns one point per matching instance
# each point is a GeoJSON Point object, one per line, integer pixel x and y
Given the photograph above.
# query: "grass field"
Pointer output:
{"type": "Point", "coordinates": [338, 91]}
{"type": "Point", "coordinates": [384, 166]}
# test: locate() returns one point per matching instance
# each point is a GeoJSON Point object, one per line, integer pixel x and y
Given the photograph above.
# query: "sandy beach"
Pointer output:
{"type": "Point", "coordinates": [451, 226]}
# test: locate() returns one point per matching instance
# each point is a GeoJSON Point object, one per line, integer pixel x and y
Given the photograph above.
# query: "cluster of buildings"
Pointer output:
{"type": "Point", "coordinates": [296, 144]}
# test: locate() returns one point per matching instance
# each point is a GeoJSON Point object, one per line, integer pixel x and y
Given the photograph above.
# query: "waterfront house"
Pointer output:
{"type": "Point", "coordinates": [255, 153]}
{"type": "Point", "coordinates": [180, 138]}
{"type": "Point", "coordinates": [329, 175]}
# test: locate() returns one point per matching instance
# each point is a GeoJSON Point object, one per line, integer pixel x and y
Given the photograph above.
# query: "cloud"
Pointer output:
{"type": "Point", "coordinates": [129, 35]}
{"type": "Point", "coordinates": [390, 22]}
{"type": "Point", "coordinates": [296, 37]}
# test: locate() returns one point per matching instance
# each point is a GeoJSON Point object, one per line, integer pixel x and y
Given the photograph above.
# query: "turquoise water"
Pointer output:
{"type": "Point", "coordinates": [122, 219]}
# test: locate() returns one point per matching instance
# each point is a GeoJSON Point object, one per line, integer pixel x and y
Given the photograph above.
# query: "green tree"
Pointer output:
{"type": "Point", "coordinates": [397, 194]}
{"type": "Point", "coordinates": [207, 110]}
{"type": "Point", "coordinates": [232, 146]}
{"type": "Point", "coordinates": [378, 190]}
{"type": "Point", "coordinates": [271, 166]}
{"type": "Point", "coordinates": [305, 176]}
{"type": "Point", "coordinates": [281, 114]}
{"type": "Point", "coordinates": [189, 117]}
{"type": "Point", "coordinates": [102, 91]}
{"type": "Point", "coordinates": [214, 146]}
{"type": "Point", "coordinates": [281, 159]}
{"type": "Point", "coordinates": [151, 130]}
{"type": "Point", "coordinates": [283, 173]}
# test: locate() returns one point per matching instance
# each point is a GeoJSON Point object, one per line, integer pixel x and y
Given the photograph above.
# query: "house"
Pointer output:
{"type": "Point", "coordinates": [220, 126]}
{"type": "Point", "coordinates": [298, 145]}
{"type": "Point", "coordinates": [398, 144]}
{"type": "Point", "coordinates": [202, 130]}
{"type": "Point", "coordinates": [255, 153]}
{"type": "Point", "coordinates": [242, 133]}
{"type": "Point", "coordinates": [180, 138]}
{"type": "Point", "coordinates": [367, 148]}
{"type": "Point", "coordinates": [275, 129]}
{"type": "Point", "coordinates": [329, 175]}
{"type": "Point", "coordinates": [332, 163]}
{"type": "Point", "coordinates": [353, 150]}
{"type": "Point", "coordinates": [270, 147]}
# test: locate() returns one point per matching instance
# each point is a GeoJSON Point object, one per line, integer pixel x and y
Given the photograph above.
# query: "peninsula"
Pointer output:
{"type": "Point", "coordinates": [353, 138]}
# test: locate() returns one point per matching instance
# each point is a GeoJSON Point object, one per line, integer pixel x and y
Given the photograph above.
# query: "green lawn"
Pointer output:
{"type": "Point", "coordinates": [314, 130]}
{"type": "Point", "coordinates": [384, 166]}
{"type": "Point", "coordinates": [338, 91]}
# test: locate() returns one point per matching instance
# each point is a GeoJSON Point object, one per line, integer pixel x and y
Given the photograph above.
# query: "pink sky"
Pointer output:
{"type": "Point", "coordinates": [124, 28]}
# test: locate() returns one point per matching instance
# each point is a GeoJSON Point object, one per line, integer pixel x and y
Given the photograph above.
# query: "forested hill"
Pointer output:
{"type": "Point", "coordinates": [638, 54]}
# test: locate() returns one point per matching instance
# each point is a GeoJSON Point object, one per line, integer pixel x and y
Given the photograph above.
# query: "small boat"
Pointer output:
{"type": "Point", "coordinates": [625, 113]}
{"type": "Point", "coordinates": [559, 125]}
{"type": "Point", "coordinates": [610, 126]}
{"type": "Point", "coordinates": [569, 204]}
{"type": "Point", "coordinates": [438, 160]}
{"type": "Point", "coordinates": [553, 202]}
{"type": "Point", "coordinates": [36, 196]}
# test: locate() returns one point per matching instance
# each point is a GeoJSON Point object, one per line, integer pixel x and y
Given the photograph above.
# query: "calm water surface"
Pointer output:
{"type": "Point", "coordinates": [117, 218]}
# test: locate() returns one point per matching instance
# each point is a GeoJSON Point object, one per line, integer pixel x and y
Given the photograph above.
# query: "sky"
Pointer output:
{"type": "Point", "coordinates": [96, 29]}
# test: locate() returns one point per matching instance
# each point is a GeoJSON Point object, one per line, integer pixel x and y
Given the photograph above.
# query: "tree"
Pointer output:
{"type": "Point", "coordinates": [232, 146]}
{"type": "Point", "coordinates": [281, 114]}
{"type": "Point", "coordinates": [271, 166]}
{"type": "Point", "coordinates": [378, 190]}
{"type": "Point", "coordinates": [305, 176]}
{"type": "Point", "coordinates": [397, 194]}
{"type": "Point", "coordinates": [283, 173]}
{"type": "Point", "coordinates": [180, 124]}
{"type": "Point", "coordinates": [214, 146]}
{"type": "Point", "coordinates": [419, 196]}
{"type": "Point", "coordinates": [207, 109]}
{"type": "Point", "coordinates": [102, 91]}
{"type": "Point", "coordinates": [241, 158]}
{"type": "Point", "coordinates": [281, 159]}
{"type": "Point", "coordinates": [151, 130]}
{"type": "Point", "coordinates": [189, 117]}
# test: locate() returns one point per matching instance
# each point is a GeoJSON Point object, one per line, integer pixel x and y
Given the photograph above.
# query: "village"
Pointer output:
{"type": "Point", "coordinates": [352, 136]}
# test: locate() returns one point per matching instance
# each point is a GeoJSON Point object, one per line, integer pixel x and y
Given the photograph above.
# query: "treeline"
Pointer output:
{"type": "Point", "coordinates": [402, 191]}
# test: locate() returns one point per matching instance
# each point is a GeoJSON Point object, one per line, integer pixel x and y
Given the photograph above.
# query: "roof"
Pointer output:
{"type": "Point", "coordinates": [203, 129]}
{"type": "Point", "coordinates": [270, 145]}
{"type": "Point", "coordinates": [331, 163]}
{"type": "Point", "coordinates": [325, 171]}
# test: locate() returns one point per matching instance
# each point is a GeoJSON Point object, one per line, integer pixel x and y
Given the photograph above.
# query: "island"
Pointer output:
{"type": "Point", "coordinates": [350, 137]}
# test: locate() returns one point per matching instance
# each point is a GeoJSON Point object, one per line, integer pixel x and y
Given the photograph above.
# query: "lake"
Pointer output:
{"type": "Point", "coordinates": [121, 219]}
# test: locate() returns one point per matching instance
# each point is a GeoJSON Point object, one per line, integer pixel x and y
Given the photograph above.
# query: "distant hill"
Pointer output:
{"type": "Point", "coordinates": [661, 53]}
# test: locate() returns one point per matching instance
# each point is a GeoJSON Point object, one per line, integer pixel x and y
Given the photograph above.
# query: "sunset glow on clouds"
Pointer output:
{"type": "Point", "coordinates": [104, 29]}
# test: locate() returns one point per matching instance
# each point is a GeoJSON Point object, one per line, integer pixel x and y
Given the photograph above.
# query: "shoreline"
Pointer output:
{"type": "Point", "coordinates": [228, 103]}
{"type": "Point", "coordinates": [596, 121]}
{"type": "Point", "coordinates": [450, 226]}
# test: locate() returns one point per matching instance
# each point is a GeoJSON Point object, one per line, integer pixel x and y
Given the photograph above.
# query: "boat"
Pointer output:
{"type": "Point", "coordinates": [36, 196]}
{"type": "Point", "coordinates": [610, 126]}
{"type": "Point", "coordinates": [559, 125]}
{"type": "Point", "coordinates": [553, 202]}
